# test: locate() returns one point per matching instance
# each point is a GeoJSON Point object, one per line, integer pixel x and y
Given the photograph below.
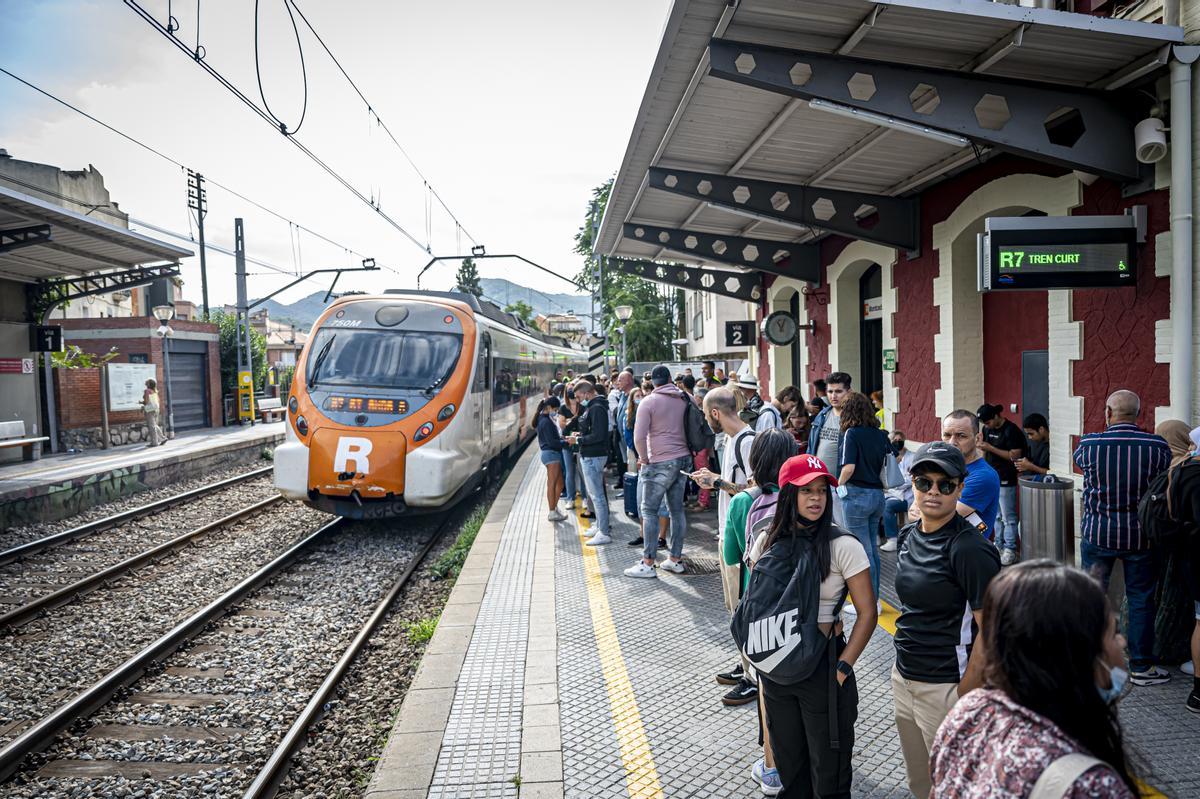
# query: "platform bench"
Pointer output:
{"type": "Point", "coordinates": [271, 409]}
{"type": "Point", "coordinates": [12, 434]}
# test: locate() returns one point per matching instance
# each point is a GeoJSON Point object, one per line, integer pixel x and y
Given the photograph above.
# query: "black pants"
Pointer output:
{"type": "Point", "coordinates": [798, 719]}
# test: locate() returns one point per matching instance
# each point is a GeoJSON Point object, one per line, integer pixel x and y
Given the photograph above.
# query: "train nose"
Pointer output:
{"type": "Point", "coordinates": [356, 465]}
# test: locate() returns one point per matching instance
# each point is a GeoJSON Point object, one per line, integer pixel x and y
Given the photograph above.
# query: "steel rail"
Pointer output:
{"type": "Point", "coordinates": [271, 776]}
{"type": "Point", "coordinates": [24, 550]}
{"type": "Point", "coordinates": [31, 610]}
{"type": "Point", "coordinates": [42, 734]}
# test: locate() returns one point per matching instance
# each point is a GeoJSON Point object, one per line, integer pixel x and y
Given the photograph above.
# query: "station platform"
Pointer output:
{"type": "Point", "coordinates": [57, 486]}
{"type": "Point", "coordinates": [551, 674]}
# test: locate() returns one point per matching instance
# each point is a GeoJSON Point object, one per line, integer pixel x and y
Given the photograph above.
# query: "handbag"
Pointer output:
{"type": "Point", "coordinates": [890, 474]}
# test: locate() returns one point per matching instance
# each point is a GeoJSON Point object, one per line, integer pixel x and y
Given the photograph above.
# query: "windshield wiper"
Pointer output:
{"type": "Point", "coordinates": [320, 361]}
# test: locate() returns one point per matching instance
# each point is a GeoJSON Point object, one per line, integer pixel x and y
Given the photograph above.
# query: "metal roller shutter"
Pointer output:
{"type": "Point", "coordinates": [190, 390]}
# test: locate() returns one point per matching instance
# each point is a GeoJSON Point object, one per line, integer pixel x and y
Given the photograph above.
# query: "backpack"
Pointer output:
{"type": "Point", "coordinates": [775, 624]}
{"type": "Point", "coordinates": [700, 436]}
{"type": "Point", "coordinates": [1156, 508]}
{"type": "Point", "coordinates": [758, 520]}
{"type": "Point", "coordinates": [752, 411]}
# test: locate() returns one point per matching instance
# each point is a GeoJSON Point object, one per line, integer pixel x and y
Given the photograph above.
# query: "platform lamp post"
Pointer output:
{"type": "Point", "coordinates": [164, 313]}
{"type": "Point", "coordinates": [623, 313]}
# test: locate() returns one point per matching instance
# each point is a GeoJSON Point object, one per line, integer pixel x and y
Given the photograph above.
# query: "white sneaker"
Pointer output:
{"type": "Point", "coordinates": [1187, 669]}
{"type": "Point", "coordinates": [888, 546]}
{"type": "Point", "coordinates": [599, 539]}
{"type": "Point", "coordinates": [1007, 557]}
{"type": "Point", "coordinates": [641, 570]}
{"type": "Point", "coordinates": [673, 566]}
{"type": "Point", "coordinates": [556, 516]}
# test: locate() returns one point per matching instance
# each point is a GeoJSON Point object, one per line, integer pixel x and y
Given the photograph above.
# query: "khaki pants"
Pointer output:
{"type": "Point", "coordinates": [731, 577]}
{"type": "Point", "coordinates": [920, 708]}
{"type": "Point", "coordinates": [153, 430]}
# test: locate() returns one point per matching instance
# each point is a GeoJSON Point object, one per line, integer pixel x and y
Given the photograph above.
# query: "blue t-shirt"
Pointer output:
{"type": "Point", "coordinates": [981, 491]}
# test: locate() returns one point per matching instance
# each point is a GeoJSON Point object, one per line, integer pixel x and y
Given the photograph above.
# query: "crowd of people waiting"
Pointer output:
{"type": "Point", "coordinates": [1005, 683]}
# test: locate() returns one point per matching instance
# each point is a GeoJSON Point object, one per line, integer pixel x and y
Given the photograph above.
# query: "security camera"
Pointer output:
{"type": "Point", "coordinates": [1150, 140]}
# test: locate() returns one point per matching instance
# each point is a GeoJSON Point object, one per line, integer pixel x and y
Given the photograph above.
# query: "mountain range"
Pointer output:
{"type": "Point", "coordinates": [304, 312]}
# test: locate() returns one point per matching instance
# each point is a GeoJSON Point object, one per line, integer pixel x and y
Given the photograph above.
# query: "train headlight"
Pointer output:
{"type": "Point", "coordinates": [301, 425]}
{"type": "Point", "coordinates": [446, 413]}
{"type": "Point", "coordinates": [293, 405]}
{"type": "Point", "coordinates": [423, 432]}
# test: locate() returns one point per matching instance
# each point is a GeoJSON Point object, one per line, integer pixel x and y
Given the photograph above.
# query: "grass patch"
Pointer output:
{"type": "Point", "coordinates": [451, 561]}
{"type": "Point", "coordinates": [421, 631]}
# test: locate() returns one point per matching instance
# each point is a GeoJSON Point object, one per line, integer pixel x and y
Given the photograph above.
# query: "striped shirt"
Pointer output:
{"type": "Point", "coordinates": [1117, 466]}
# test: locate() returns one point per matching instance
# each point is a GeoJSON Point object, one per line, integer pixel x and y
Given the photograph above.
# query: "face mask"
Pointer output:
{"type": "Point", "coordinates": [1119, 677]}
{"type": "Point", "coordinates": [583, 403]}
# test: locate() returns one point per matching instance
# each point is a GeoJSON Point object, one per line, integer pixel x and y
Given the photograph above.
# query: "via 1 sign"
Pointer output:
{"type": "Point", "coordinates": [46, 338]}
{"type": "Point", "coordinates": [740, 334]}
{"type": "Point", "coordinates": [16, 366]}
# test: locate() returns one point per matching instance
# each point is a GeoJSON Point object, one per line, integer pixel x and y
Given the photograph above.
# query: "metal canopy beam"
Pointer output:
{"type": "Point", "coordinates": [1005, 113]}
{"type": "Point", "coordinates": [799, 261]}
{"type": "Point", "coordinates": [16, 238]}
{"type": "Point", "coordinates": [42, 296]}
{"type": "Point", "coordinates": [744, 286]}
{"type": "Point", "coordinates": [895, 223]}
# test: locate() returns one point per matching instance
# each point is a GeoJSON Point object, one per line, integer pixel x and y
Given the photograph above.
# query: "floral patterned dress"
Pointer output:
{"type": "Point", "coordinates": [990, 746]}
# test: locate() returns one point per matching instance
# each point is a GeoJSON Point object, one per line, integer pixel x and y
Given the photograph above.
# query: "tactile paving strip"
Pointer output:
{"type": "Point", "coordinates": [481, 748]}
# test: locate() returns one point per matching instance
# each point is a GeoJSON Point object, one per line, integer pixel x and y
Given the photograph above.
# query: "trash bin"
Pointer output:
{"type": "Point", "coordinates": [1048, 519]}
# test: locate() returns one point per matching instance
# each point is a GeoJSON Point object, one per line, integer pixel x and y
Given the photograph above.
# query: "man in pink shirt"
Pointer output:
{"type": "Point", "coordinates": [666, 461]}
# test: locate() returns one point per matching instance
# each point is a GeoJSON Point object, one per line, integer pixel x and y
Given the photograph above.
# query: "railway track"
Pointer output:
{"type": "Point", "coordinates": [294, 588]}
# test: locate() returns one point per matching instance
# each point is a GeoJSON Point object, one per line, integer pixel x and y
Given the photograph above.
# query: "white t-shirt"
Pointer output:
{"type": "Point", "coordinates": [731, 472]}
{"type": "Point", "coordinates": [827, 442]}
{"type": "Point", "coordinates": [847, 557]}
{"type": "Point", "coordinates": [768, 419]}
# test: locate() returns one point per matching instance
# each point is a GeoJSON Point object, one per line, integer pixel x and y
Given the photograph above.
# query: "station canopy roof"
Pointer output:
{"type": "Point", "coordinates": [76, 243]}
{"type": "Point", "coordinates": [692, 120]}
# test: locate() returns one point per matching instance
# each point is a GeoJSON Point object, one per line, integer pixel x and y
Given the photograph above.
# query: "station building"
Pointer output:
{"type": "Point", "coordinates": [835, 162]}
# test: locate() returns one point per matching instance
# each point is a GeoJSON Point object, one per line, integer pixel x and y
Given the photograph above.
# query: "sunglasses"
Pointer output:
{"type": "Point", "coordinates": [944, 486]}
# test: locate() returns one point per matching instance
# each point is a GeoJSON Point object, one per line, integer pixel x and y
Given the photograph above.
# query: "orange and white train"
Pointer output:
{"type": "Point", "coordinates": [401, 402]}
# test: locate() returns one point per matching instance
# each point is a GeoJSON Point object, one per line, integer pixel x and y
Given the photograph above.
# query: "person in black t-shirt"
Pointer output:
{"type": "Point", "coordinates": [1003, 444]}
{"type": "Point", "coordinates": [943, 567]}
{"type": "Point", "coordinates": [1037, 432]}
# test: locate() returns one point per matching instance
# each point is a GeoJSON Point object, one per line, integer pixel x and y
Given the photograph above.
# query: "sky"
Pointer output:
{"type": "Point", "coordinates": [513, 112]}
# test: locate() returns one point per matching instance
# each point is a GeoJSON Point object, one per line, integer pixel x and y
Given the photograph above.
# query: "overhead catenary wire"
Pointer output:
{"type": "Point", "coordinates": [283, 128]}
{"type": "Point", "coordinates": [266, 117]}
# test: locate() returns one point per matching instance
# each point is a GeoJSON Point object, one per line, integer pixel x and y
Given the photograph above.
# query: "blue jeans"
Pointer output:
{"type": "Point", "coordinates": [663, 480]}
{"type": "Point", "coordinates": [593, 478]}
{"type": "Point", "coordinates": [569, 476]}
{"type": "Point", "coordinates": [663, 512]}
{"type": "Point", "coordinates": [1141, 574]}
{"type": "Point", "coordinates": [863, 509]}
{"type": "Point", "coordinates": [1007, 521]}
{"type": "Point", "coordinates": [891, 528]}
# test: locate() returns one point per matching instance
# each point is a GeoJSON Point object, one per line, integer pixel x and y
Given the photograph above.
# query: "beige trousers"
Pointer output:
{"type": "Point", "coordinates": [920, 708]}
{"type": "Point", "coordinates": [153, 430]}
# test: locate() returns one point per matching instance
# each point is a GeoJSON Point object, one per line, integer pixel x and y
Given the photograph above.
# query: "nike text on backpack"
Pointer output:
{"type": "Point", "coordinates": [775, 625]}
{"type": "Point", "coordinates": [1156, 509]}
{"type": "Point", "coordinates": [700, 436]}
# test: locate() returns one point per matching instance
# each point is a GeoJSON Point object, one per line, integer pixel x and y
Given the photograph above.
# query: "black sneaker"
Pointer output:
{"type": "Point", "coordinates": [1193, 702]}
{"type": "Point", "coordinates": [662, 543]}
{"type": "Point", "coordinates": [732, 677]}
{"type": "Point", "coordinates": [635, 542]}
{"type": "Point", "coordinates": [743, 693]}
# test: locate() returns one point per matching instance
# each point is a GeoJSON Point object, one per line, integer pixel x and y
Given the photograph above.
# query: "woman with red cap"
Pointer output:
{"type": "Point", "coordinates": [811, 719]}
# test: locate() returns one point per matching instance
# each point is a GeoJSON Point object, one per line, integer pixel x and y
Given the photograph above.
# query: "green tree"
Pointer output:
{"type": "Point", "coordinates": [227, 324]}
{"type": "Point", "coordinates": [649, 331]}
{"type": "Point", "coordinates": [522, 311]}
{"type": "Point", "coordinates": [466, 279]}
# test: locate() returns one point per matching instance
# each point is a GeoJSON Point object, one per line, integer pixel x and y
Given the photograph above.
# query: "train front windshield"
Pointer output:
{"type": "Point", "coordinates": [391, 359]}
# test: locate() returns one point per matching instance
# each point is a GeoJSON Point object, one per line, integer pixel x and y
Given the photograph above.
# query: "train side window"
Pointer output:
{"type": "Point", "coordinates": [483, 380]}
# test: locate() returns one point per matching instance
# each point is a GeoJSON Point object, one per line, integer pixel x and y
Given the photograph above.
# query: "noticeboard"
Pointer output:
{"type": "Point", "coordinates": [126, 382]}
{"type": "Point", "coordinates": [1028, 253]}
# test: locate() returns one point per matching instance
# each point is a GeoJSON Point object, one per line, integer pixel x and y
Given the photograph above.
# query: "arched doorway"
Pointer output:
{"type": "Point", "coordinates": [870, 330]}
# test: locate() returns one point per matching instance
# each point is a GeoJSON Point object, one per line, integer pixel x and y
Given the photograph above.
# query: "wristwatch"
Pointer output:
{"type": "Point", "coordinates": [845, 668]}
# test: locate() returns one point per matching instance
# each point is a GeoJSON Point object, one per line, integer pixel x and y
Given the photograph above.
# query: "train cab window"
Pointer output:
{"type": "Point", "coordinates": [392, 359]}
{"type": "Point", "coordinates": [483, 379]}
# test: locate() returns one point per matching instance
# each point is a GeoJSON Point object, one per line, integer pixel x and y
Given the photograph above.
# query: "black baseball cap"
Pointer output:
{"type": "Point", "coordinates": [661, 375]}
{"type": "Point", "coordinates": [946, 457]}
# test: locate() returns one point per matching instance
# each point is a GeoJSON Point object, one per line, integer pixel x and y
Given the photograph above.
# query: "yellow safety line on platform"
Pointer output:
{"type": "Point", "coordinates": [887, 620]}
{"type": "Point", "coordinates": [641, 775]}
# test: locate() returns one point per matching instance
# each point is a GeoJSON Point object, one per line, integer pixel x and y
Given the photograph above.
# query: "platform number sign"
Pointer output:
{"type": "Point", "coordinates": [46, 338]}
{"type": "Point", "coordinates": [740, 334]}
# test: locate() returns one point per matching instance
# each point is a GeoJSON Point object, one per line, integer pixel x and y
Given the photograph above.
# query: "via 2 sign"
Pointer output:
{"type": "Point", "coordinates": [740, 334]}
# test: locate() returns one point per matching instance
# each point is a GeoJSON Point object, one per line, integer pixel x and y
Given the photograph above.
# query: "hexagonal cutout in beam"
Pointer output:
{"type": "Point", "coordinates": [690, 242]}
{"type": "Point", "coordinates": [741, 194]}
{"type": "Point", "coordinates": [800, 73]}
{"type": "Point", "coordinates": [750, 253]}
{"type": "Point", "coordinates": [924, 99]}
{"type": "Point", "coordinates": [719, 247]}
{"type": "Point", "coordinates": [780, 201]}
{"type": "Point", "coordinates": [704, 187]}
{"type": "Point", "coordinates": [639, 232]}
{"type": "Point", "coordinates": [992, 112]}
{"type": "Point", "coordinates": [744, 63]}
{"type": "Point", "coordinates": [824, 209]}
{"type": "Point", "coordinates": [732, 284]}
{"type": "Point", "coordinates": [664, 237]}
{"type": "Point", "coordinates": [861, 86]}
{"type": "Point", "coordinates": [1065, 127]}
{"type": "Point", "coordinates": [670, 181]}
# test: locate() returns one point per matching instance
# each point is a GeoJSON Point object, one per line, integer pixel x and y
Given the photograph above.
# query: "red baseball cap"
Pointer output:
{"type": "Point", "coordinates": [803, 469]}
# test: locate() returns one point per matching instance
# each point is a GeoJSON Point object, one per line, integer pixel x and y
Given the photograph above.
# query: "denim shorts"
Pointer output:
{"type": "Point", "coordinates": [550, 456]}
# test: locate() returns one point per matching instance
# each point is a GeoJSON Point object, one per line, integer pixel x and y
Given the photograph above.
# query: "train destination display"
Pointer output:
{"type": "Point", "coordinates": [1025, 253]}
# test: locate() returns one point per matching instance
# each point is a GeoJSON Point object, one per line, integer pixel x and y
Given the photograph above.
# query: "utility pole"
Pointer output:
{"type": "Point", "coordinates": [246, 363]}
{"type": "Point", "coordinates": [198, 202]}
